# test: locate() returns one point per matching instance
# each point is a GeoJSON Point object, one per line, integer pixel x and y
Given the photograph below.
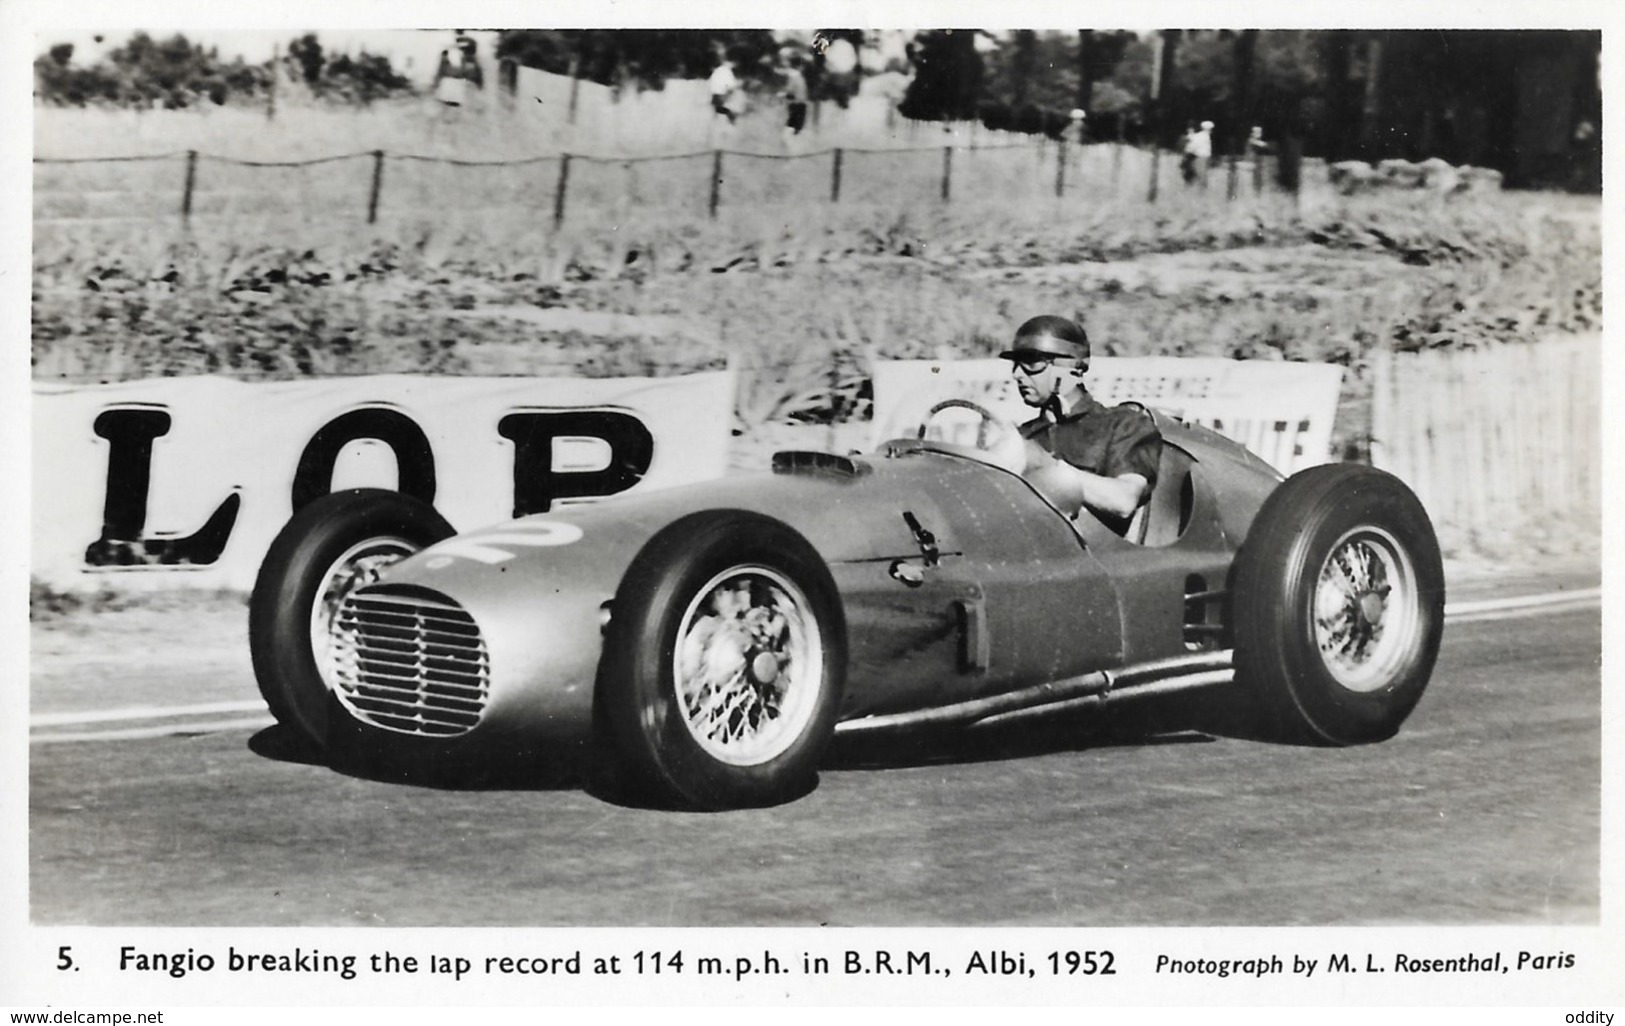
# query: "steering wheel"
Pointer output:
{"type": "Point", "coordinates": [998, 441]}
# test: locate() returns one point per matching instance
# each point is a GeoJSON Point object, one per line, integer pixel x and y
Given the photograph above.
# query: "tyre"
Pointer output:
{"type": "Point", "coordinates": [328, 549]}
{"type": "Point", "coordinates": [1338, 606]}
{"type": "Point", "coordinates": [724, 664]}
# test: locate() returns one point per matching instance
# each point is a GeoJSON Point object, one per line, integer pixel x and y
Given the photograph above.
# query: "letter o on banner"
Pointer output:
{"type": "Point", "coordinates": [413, 454]}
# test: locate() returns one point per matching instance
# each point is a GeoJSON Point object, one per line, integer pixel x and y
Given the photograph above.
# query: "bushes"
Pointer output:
{"type": "Point", "coordinates": [800, 305]}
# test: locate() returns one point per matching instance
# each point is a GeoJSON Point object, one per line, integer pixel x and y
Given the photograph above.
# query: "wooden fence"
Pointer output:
{"type": "Point", "coordinates": [1502, 444]}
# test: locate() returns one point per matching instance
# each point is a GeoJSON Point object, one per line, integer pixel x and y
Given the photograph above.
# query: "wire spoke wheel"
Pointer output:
{"type": "Point", "coordinates": [724, 664]}
{"type": "Point", "coordinates": [1366, 609]}
{"type": "Point", "coordinates": [1338, 606]}
{"type": "Point", "coordinates": [747, 660]}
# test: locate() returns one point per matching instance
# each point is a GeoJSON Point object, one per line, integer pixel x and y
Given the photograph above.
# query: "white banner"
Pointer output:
{"type": "Point", "coordinates": [185, 481]}
{"type": "Point", "coordinates": [1282, 411]}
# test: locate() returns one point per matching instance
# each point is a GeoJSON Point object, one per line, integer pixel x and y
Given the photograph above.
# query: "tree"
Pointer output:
{"type": "Point", "coordinates": [176, 73]}
{"type": "Point", "coordinates": [57, 80]}
{"type": "Point", "coordinates": [306, 52]}
{"type": "Point", "coordinates": [342, 78]}
{"type": "Point", "coordinates": [947, 82]}
{"type": "Point", "coordinates": [1032, 69]}
{"type": "Point", "coordinates": [363, 78]}
{"type": "Point", "coordinates": [644, 58]}
{"type": "Point", "coordinates": [1289, 76]}
{"type": "Point", "coordinates": [1244, 94]}
{"type": "Point", "coordinates": [1124, 86]}
{"type": "Point", "coordinates": [824, 82]}
{"type": "Point", "coordinates": [1024, 55]}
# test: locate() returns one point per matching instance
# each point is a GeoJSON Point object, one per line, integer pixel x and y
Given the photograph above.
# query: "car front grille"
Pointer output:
{"type": "Point", "coordinates": [410, 660]}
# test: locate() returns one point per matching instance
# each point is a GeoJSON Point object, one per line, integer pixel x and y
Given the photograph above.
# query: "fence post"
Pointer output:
{"type": "Point", "coordinates": [1156, 172]}
{"type": "Point", "coordinates": [1060, 169]}
{"type": "Point", "coordinates": [559, 191]}
{"type": "Point", "coordinates": [1289, 165]}
{"type": "Point", "coordinates": [716, 182]}
{"type": "Point", "coordinates": [835, 177]}
{"type": "Point", "coordinates": [947, 172]}
{"type": "Point", "coordinates": [575, 86]}
{"type": "Point", "coordinates": [377, 186]}
{"type": "Point", "coordinates": [186, 192]}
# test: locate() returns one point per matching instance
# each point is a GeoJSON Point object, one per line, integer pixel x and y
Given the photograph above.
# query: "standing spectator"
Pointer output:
{"type": "Point", "coordinates": [1256, 146]}
{"type": "Point", "coordinates": [795, 99]}
{"type": "Point", "coordinates": [1187, 162]}
{"type": "Point", "coordinates": [451, 97]}
{"type": "Point", "coordinates": [724, 84]}
{"type": "Point", "coordinates": [457, 79]}
{"type": "Point", "coordinates": [1198, 154]}
{"type": "Point", "coordinates": [1587, 150]}
{"type": "Point", "coordinates": [1257, 149]}
{"type": "Point", "coordinates": [448, 82]}
{"type": "Point", "coordinates": [469, 62]}
{"type": "Point", "coordinates": [1080, 125]}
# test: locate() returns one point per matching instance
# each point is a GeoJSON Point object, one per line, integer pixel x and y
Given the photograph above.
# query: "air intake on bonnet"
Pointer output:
{"type": "Point", "coordinates": [409, 660]}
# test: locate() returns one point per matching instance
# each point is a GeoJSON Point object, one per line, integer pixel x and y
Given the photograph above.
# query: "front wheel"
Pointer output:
{"type": "Point", "coordinates": [724, 663]}
{"type": "Point", "coordinates": [330, 548]}
{"type": "Point", "coordinates": [1338, 605]}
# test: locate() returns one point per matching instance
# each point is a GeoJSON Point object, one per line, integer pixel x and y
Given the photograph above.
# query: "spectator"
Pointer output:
{"type": "Point", "coordinates": [1198, 153]}
{"type": "Point", "coordinates": [469, 63]}
{"type": "Point", "coordinates": [448, 82]}
{"type": "Point", "coordinates": [724, 85]}
{"type": "Point", "coordinates": [795, 98]}
{"type": "Point", "coordinates": [456, 79]}
{"type": "Point", "coordinates": [1080, 125]}
{"type": "Point", "coordinates": [1257, 150]}
{"type": "Point", "coordinates": [1256, 146]}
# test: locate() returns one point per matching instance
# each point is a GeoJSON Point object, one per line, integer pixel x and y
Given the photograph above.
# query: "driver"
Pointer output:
{"type": "Point", "coordinates": [1079, 452]}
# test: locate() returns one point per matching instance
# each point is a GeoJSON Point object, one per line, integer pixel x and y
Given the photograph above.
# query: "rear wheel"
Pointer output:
{"type": "Point", "coordinates": [724, 663]}
{"type": "Point", "coordinates": [330, 548]}
{"type": "Point", "coordinates": [1338, 605]}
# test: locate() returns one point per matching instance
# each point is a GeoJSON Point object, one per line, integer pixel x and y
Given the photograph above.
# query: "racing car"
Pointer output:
{"type": "Point", "coordinates": [708, 640]}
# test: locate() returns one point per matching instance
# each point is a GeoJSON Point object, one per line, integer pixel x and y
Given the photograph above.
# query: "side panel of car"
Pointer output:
{"type": "Point", "coordinates": [1009, 598]}
{"type": "Point", "coordinates": [1171, 593]}
{"type": "Point", "coordinates": [1239, 479]}
{"type": "Point", "coordinates": [541, 587]}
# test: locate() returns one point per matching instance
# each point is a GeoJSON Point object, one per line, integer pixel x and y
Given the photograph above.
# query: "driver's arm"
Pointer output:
{"type": "Point", "coordinates": [1071, 488]}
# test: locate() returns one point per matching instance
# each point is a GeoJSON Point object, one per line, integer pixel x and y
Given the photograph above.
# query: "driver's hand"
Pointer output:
{"type": "Point", "coordinates": [1006, 448]}
{"type": "Point", "coordinates": [1034, 456]}
{"type": "Point", "coordinates": [1054, 480]}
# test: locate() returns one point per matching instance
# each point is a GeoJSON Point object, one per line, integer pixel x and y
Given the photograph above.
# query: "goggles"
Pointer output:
{"type": "Point", "coordinates": [1033, 365]}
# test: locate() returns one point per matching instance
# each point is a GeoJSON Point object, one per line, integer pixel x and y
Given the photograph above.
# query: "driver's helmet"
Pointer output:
{"type": "Point", "coordinates": [1049, 335]}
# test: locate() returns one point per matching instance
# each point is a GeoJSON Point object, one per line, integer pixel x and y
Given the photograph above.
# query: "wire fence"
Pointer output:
{"type": "Point", "coordinates": [376, 184]}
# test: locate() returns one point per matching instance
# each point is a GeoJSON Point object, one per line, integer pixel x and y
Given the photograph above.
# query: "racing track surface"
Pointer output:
{"type": "Point", "coordinates": [1485, 809]}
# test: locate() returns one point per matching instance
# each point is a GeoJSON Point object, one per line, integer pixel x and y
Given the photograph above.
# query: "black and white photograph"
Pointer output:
{"type": "Point", "coordinates": [678, 510]}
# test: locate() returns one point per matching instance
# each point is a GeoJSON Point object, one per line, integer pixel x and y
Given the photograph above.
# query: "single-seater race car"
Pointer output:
{"type": "Point", "coordinates": [710, 639]}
